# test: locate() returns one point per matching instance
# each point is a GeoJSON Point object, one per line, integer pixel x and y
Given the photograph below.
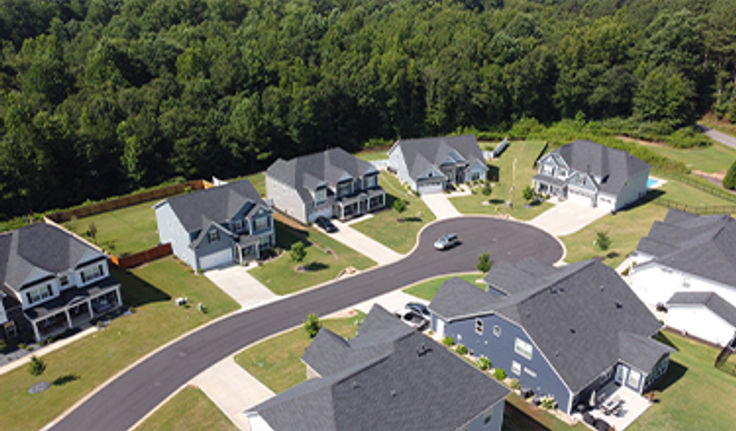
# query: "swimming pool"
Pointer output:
{"type": "Point", "coordinates": [653, 183]}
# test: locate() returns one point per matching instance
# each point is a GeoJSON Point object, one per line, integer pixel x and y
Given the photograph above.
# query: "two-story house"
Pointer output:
{"type": "Point", "coordinates": [592, 174]}
{"type": "Point", "coordinates": [51, 282]}
{"type": "Point", "coordinates": [430, 165]}
{"type": "Point", "coordinates": [389, 377]}
{"type": "Point", "coordinates": [216, 226]}
{"type": "Point", "coordinates": [331, 183]}
{"type": "Point", "coordinates": [564, 332]}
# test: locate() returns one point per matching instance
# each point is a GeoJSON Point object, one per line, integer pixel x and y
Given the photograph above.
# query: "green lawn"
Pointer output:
{"type": "Point", "coordinates": [384, 226]}
{"type": "Point", "coordinates": [690, 195]}
{"type": "Point", "coordinates": [258, 180]}
{"type": "Point", "coordinates": [625, 230]}
{"type": "Point", "coordinates": [123, 231]}
{"type": "Point", "coordinates": [325, 259]}
{"type": "Point", "coordinates": [714, 158]}
{"type": "Point", "coordinates": [427, 289]}
{"type": "Point", "coordinates": [696, 395]}
{"type": "Point", "coordinates": [380, 153]}
{"type": "Point", "coordinates": [510, 174]}
{"type": "Point", "coordinates": [189, 410]}
{"type": "Point", "coordinates": [77, 369]}
{"type": "Point", "coordinates": [277, 363]}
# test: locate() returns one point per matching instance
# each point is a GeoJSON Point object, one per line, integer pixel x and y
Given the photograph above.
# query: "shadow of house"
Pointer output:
{"type": "Point", "coordinates": [652, 194]}
{"type": "Point", "coordinates": [516, 420]}
{"type": "Point", "coordinates": [135, 291]}
{"type": "Point", "coordinates": [674, 373]}
{"type": "Point", "coordinates": [494, 173]}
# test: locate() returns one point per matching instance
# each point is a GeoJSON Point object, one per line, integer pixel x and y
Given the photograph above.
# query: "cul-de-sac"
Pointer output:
{"type": "Point", "coordinates": [292, 215]}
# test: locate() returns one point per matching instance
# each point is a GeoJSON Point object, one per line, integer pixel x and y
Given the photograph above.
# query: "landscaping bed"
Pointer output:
{"type": "Point", "coordinates": [189, 410]}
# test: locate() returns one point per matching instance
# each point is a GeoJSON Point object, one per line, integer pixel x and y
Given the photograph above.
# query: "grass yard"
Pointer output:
{"type": "Point", "coordinates": [625, 229]}
{"type": "Point", "coordinates": [427, 289]}
{"type": "Point", "coordinates": [123, 231]}
{"type": "Point", "coordinates": [276, 361]}
{"type": "Point", "coordinates": [696, 396]}
{"type": "Point", "coordinates": [78, 368]}
{"type": "Point", "coordinates": [685, 193]}
{"type": "Point", "coordinates": [510, 174]}
{"type": "Point", "coordinates": [258, 180]}
{"type": "Point", "coordinates": [380, 153]}
{"type": "Point", "coordinates": [189, 410]}
{"type": "Point", "coordinates": [384, 227]}
{"type": "Point", "coordinates": [280, 274]}
{"type": "Point", "coordinates": [714, 158]}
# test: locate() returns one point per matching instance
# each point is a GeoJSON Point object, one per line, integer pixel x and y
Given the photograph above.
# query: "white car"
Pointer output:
{"type": "Point", "coordinates": [413, 319]}
{"type": "Point", "coordinates": [446, 241]}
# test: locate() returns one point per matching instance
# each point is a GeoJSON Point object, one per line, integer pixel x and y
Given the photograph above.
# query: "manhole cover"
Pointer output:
{"type": "Point", "coordinates": [38, 387]}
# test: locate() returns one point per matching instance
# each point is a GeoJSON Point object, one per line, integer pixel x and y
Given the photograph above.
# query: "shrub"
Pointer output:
{"type": "Point", "coordinates": [626, 271]}
{"type": "Point", "coordinates": [483, 363]}
{"type": "Point", "coordinates": [487, 189]}
{"type": "Point", "coordinates": [448, 341]}
{"type": "Point", "coordinates": [3, 345]}
{"type": "Point", "coordinates": [461, 349]}
{"type": "Point", "coordinates": [21, 345]}
{"type": "Point", "coordinates": [527, 193]}
{"type": "Point", "coordinates": [312, 325]}
{"type": "Point", "coordinates": [602, 241]}
{"type": "Point", "coordinates": [36, 367]}
{"type": "Point", "coordinates": [515, 384]}
{"type": "Point", "coordinates": [399, 205]}
{"type": "Point", "coordinates": [499, 374]}
{"type": "Point", "coordinates": [297, 251]}
{"type": "Point", "coordinates": [688, 137]}
{"type": "Point", "coordinates": [484, 262]}
{"type": "Point", "coordinates": [729, 181]}
{"type": "Point", "coordinates": [548, 402]}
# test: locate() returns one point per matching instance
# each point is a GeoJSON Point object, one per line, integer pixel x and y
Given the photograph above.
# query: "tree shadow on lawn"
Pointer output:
{"type": "Point", "coordinates": [67, 378]}
{"type": "Point", "coordinates": [137, 292]}
{"type": "Point", "coordinates": [316, 266]}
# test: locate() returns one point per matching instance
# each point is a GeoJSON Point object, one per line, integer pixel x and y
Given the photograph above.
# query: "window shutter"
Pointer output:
{"type": "Point", "coordinates": [84, 277]}
{"type": "Point", "coordinates": [48, 288]}
{"type": "Point", "coordinates": [28, 296]}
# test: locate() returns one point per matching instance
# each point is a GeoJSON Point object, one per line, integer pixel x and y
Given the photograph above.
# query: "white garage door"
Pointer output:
{"type": "Point", "coordinates": [574, 196]}
{"type": "Point", "coordinates": [215, 259]}
{"type": "Point", "coordinates": [430, 187]}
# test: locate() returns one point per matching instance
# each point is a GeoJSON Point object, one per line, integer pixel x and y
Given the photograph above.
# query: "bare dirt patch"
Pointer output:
{"type": "Point", "coordinates": [643, 142]}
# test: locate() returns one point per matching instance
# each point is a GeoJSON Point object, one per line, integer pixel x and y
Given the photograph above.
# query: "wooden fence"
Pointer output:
{"type": "Point", "coordinates": [124, 201]}
{"type": "Point", "coordinates": [142, 257]}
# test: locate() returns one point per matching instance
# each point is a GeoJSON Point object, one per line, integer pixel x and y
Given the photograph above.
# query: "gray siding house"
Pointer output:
{"type": "Point", "coordinates": [389, 377]}
{"type": "Point", "coordinates": [592, 174]}
{"type": "Point", "coordinates": [563, 332]}
{"type": "Point", "coordinates": [331, 183]}
{"type": "Point", "coordinates": [430, 165]}
{"type": "Point", "coordinates": [51, 282]}
{"type": "Point", "coordinates": [216, 226]}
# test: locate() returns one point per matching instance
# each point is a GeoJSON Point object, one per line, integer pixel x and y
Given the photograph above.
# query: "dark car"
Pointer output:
{"type": "Point", "coordinates": [418, 308]}
{"type": "Point", "coordinates": [326, 224]}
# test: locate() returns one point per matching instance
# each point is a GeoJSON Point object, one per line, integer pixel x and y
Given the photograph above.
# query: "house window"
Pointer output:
{"type": "Point", "coordinates": [39, 293]}
{"type": "Point", "coordinates": [260, 224]}
{"type": "Point", "coordinates": [633, 380]}
{"type": "Point", "coordinates": [531, 372]}
{"type": "Point", "coordinates": [479, 326]}
{"type": "Point", "coordinates": [344, 189]}
{"type": "Point", "coordinates": [264, 241]}
{"type": "Point", "coordinates": [496, 330]}
{"type": "Point", "coordinates": [523, 348]}
{"type": "Point", "coordinates": [516, 368]}
{"type": "Point", "coordinates": [371, 181]}
{"type": "Point", "coordinates": [320, 196]}
{"type": "Point", "coordinates": [64, 280]}
{"type": "Point", "coordinates": [213, 235]}
{"type": "Point", "coordinates": [238, 224]}
{"type": "Point", "coordinates": [475, 176]}
{"type": "Point", "coordinates": [487, 418]}
{"type": "Point", "coordinates": [91, 273]}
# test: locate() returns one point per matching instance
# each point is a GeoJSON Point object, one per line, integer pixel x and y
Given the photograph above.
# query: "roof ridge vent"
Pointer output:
{"type": "Point", "coordinates": [394, 393]}
{"type": "Point", "coordinates": [356, 385]}
{"type": "Point", "coordinates": [422, 350]}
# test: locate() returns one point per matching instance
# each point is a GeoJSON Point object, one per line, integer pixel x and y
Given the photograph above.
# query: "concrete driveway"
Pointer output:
{"type": "Point", "coordinates": [440, 205]}
{"type": "Point", "coordinates": [364, 244]}
{"type": "Point", "coordinates": [241, 286]}
{"type": "Point", "coordinates": [567, 217]}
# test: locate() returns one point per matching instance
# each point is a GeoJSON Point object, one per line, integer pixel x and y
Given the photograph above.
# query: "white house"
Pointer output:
{"type": "Point", "coordinates": [704, 315]}
{"type": "Point", "coordinates": [686, 253]}
{"type": "Point", "coordinates": [592, 174]}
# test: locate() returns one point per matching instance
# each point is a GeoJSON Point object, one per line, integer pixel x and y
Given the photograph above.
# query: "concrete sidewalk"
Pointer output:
{"type": "Point", "coordinates": [232, 389]}
{"type": "Point", "coordinates": [364, 244]}
{"type": "Point", "coordinates": [440, 205]}
{"type": "Point", "coordinates": [241, 286]}
{"type": "Point", "coordinates": [567, 217]}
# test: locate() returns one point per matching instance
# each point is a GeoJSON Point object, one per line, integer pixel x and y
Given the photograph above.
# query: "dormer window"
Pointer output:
{"type": "Point", "coordinates": [64, 280]}
{"type": "Point", "coordinates": [344, 189]}
{"type": "Point", "coordinates": [39, 293]}
{"type": "Point", "coordinates": [371, 181]}
{"type": "Point", "coordinates": [91, 273]}
{"type": "Point", "coordinates": [320, 195]}
{"type": "Point", "coordinates": [213, 235]}
{"type": "Point", "coordinates": [238, 224]}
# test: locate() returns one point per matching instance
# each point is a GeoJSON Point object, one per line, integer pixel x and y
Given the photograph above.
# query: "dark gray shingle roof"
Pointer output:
{"type": "Point", "coordinates": [616, 167]}
{"type": "Point", "coordinates": [641, 351]}
{"type": "Point", "coordinates": [197, 210]}
{"type": "Point", "coordinates": [513, 278]}
{"type": "Point", "coordinates": [405, 387]}
{"type": "Point", "coordinates": [40, 250]}
{"type": "Point", "coordinates": [700, 245]}
{"type": "Point", "coordinates": [575, 314]}
{"type": "Point", "coordinates": [419, 154]}
{"type": "Point", "coordinates": [713, 301]}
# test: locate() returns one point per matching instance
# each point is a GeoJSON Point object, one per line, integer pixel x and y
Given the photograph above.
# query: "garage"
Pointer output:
{"type": "Point", "coordinates": [215, 259]}
{"type": "Point", "coordinates": [576, 196]}
{"type": "Point", "coordinates": [434, 186]}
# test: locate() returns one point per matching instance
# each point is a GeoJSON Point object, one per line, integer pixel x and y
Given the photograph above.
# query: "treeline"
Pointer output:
{"type": "Point", "coordinates": [103, 96]}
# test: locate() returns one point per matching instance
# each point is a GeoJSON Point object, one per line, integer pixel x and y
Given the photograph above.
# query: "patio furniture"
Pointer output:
{"type": "Point", "coordinates": [601, 425]}
{"type": "Point", "coordinates": [612, 405]}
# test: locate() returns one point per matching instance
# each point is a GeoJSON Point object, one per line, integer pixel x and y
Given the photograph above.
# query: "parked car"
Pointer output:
{"type": "Point", "coordinates": [412, 319]}
{"type": "Point", "coordinates": [325, 224]}
{"type": "Point", "coordinates": [446, 241]}
{"type": "Point", "coordinates": [418, 308]}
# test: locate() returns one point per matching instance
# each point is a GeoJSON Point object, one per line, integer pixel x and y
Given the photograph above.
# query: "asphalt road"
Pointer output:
{"type": "Point", "coordinates": [718, 136]}
{"type": "Point", "coordinates": [132, 395]}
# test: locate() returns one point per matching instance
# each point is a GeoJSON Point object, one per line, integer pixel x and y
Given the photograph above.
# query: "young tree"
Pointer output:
{"type": "Point", "coordinates": [527, 193]}
{"type": "Point", "coordinates": [312, 325]}
{"type": "Point", "coordinates": [297, 251]}
{"type": "Point", "coordinates": [37, 366]}
{"type": "Point", "coordinates": [486, 188]}
{"type": "Point", "coordinates": [92, 231]}
{"type": "Point", "coordinates": [729, 181]}
{"type": "Point", "coordinates": [602, 241]}
{"type": "Point", "coordinates": [399, 205]}
{"type": "Point", "coordinates": [484, 262]}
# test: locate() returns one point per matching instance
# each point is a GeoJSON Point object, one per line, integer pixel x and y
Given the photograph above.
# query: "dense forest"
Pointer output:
{"type": "Point", "coordinates": [99, 97]}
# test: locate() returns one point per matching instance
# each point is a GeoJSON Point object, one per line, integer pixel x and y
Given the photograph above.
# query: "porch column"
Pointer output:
{"type": "Point", "coordinates": [35, 330]}
{"type": "Point", "coordinates": [68, 318]}
{"type": "Point", "coordinates": [118, 295]}
{"type": "Point", "coordinates": [89, 308]}
{"type": "Point", "coordinates": [384, 199]}
{"type": "Point", "coordinates": [368, 204]}
{"type": "Point", "coordinates": [258, 249]}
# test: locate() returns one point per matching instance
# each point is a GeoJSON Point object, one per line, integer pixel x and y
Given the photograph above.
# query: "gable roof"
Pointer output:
{"type": "Point", "coordinates": [422, 153]}
{"type": "Point", "coordinates": [403, 383]}
{"type": "Point", "coordinates": [614, 167]}
{"type": "Point", "coordinates": [512, 278]}
{"type": "Point", "coordinates": [38, 251]}
{"type": "Point", "coordinates": [711, 300]}
{"type": "Point", "coordinates": [197, 210]}
{"type": "Point", "coordinates": [701, 245]}
{"type": "Point", "coordinates": [306, 173]}
{"type": "Point", "coordinates": [575, 314]}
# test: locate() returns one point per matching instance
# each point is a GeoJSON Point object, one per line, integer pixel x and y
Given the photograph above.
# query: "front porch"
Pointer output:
{"type": "Point", "coordinates": [73, 308]}
{"type": "Point", "coordinates": [364, 202]}
{"type": "Point", "coordinates": [549, 186]}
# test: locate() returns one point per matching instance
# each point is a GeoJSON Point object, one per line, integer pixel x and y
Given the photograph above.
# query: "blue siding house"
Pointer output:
{"type": "Point", "coordinates": [562, 332]}
{"type": "Point", "coordinates": [216, 226]}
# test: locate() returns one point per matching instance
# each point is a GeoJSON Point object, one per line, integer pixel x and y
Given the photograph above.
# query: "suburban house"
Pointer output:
{"type": "Point", "coordinates": [430, 165]}
{"type": "Point", "coordinates": [592, 174]}
{"type": "Point", "coordinates": [51, 282]}
{"type": "Point", "coordinates": [564, 332]}
{"type": "Point", "coordinates": [704, 315]}
{"type": "Point", "coordinates": [216, 226]}
{"type": "Point", "coordinates": [331, 183]}
{"type": "Point", "coordinates": [389, 377]}
{"type": "Point", "coordinates": [686, 253]}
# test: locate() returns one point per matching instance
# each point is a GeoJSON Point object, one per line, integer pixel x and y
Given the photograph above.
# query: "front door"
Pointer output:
{"type": "Point", "coordinates": [440, 327]}
{"type": "Point", "coordinates": [620, 374]}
